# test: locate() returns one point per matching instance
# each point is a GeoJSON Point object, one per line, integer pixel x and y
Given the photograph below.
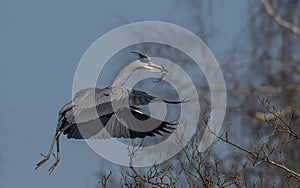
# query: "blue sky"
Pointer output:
{"type": "Point", "coordinates": [41, 44]}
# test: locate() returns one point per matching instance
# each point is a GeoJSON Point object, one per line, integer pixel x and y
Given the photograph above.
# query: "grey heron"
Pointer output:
{"type": "Point", "coordinates": [77, 119]}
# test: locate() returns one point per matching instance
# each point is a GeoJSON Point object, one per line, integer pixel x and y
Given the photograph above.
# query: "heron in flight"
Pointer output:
{"type": "Point", "coordinates": [95, 113]}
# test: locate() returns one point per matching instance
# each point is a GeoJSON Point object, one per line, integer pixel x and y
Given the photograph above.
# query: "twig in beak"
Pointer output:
{"type": "Point", "coordinates": [161, 76]}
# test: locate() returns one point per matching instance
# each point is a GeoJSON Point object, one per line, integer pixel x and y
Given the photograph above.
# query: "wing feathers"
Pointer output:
{"type": "Point", "coordinates": [92, 115]}
{"type": "Point", "coordinates": [114, 128]}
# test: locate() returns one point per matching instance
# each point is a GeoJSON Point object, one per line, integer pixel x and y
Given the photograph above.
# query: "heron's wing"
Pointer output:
{"type": "Point", "coordinates": [131, 123]}
{"type": "Point", "coordinates": [93, 103]}
{"type": "Point", "coordinates": [137, 98]}
{"type": "Point", "coordinates": [125, 123]}
{"type": "Point", "coordinates": [88, 129]}
{"type": "Point", "coordinates": [64, 110]}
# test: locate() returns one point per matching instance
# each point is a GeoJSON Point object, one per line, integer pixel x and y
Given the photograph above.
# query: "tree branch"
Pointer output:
{"type": "Point", "coordinates": [259, 157]}
{"type": "Point", "coordinates": [283, 23]}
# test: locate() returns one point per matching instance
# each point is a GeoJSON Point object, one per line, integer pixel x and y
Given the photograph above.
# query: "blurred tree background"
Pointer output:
{"type": "Point", "coordinates": [259, 143]}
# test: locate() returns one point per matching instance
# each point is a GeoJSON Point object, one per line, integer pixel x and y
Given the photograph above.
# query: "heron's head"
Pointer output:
{"type": "Point", "coordinates": [149, 65]}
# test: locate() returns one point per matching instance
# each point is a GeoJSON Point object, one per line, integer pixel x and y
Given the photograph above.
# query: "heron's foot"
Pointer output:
{"type": "Point", "coordinates": [57, 158]}
{"type": "Point", "coordinates": [46, 158]}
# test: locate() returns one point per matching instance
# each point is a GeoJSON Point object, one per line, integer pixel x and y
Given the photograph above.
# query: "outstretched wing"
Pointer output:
{"type": "Point", "coordinates": [110, 106]}
{"type": "Point", "coordinates": [92, 103]}
{"type": "Point", "coordinates": [125, 123]}
{"type": "Point", "coordinates": [137, 98]}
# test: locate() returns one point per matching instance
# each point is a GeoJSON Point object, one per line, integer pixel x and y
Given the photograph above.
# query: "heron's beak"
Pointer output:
{"type": "Point", "coordinates": [156, 68]}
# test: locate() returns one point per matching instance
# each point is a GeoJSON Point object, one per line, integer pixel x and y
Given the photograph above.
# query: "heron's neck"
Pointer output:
{"type": "Point", "coordinates": [125, 74]}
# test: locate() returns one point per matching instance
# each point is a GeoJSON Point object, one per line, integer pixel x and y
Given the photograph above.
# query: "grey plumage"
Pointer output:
{"type": "Point", "coordinates": [114, 111]}
{"type": "Point", "coordinates": [96, 104]}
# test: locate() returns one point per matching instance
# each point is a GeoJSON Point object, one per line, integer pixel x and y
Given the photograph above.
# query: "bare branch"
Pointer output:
{"type": "Point", "coordinates": [279, 19]}
{"type": "Point", "coordinates": [260, 158]}
{"type": "Point", "coordinates": [272, 116]}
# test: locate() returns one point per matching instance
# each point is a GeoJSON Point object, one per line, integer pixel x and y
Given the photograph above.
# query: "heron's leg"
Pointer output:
{"type": "Point", "coordinates": [57, 157]}
{"type": "Point", "coordinates": [46, 157]}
